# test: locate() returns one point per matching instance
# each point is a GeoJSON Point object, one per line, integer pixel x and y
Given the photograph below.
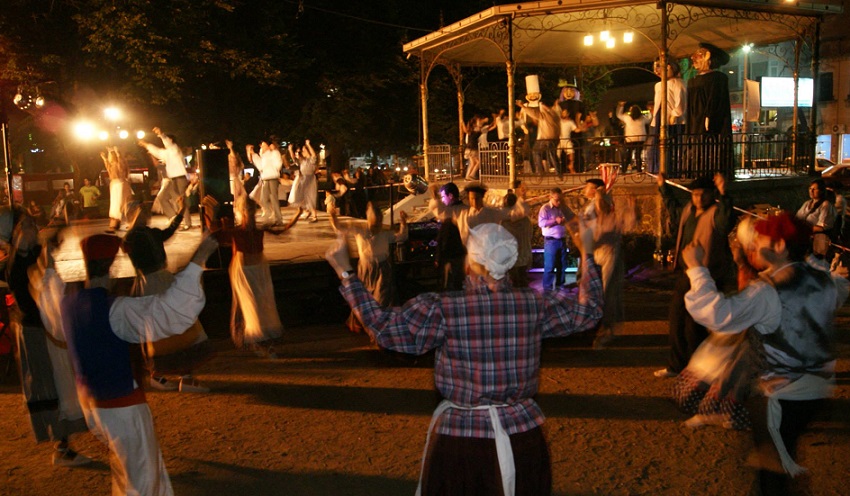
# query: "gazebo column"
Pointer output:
{"type": "Point", "coordinates": [423, 97]}
{"type": "Point", "coordinates": [457, 77]}
{"type": "Point", "coordinates": [794, 128]}
{"type": "Point", "coordinates": [662, 128]}
{"type": "Point", "coordinates": [813, 137]}
{"type": "Point", "coordinates": [510, 68]}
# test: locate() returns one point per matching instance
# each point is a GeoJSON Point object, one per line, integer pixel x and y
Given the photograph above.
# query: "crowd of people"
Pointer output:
{"type": "Point", "coordinates": [750, 322]}
{"type": "Point", "coordinates": [566, 137]}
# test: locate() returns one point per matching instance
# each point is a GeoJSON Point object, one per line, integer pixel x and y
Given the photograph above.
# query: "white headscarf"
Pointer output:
{"type": "Point", "coordinates": [492, 246]}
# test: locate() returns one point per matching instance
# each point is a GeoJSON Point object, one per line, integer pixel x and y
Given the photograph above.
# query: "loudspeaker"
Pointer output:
{"type": "Point", "coordinates": [214, 175]}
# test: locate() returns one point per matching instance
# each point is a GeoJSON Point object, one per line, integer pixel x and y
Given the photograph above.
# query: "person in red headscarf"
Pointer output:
{"type": "Point", "coordinates": [790, 307]}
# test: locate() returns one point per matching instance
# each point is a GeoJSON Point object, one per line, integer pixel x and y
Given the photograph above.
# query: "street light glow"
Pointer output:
{"type": "Point", "coordinates": [112, 113]}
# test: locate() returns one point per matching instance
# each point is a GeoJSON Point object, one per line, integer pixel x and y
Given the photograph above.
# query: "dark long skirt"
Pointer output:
{"type": "Point", "coordinates": [469, 466]}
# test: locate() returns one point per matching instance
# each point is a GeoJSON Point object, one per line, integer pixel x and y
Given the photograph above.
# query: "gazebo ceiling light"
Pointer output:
{"type": "Point", "coordinates": [607, 37]}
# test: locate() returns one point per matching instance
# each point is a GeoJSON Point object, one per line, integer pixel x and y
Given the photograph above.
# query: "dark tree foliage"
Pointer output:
{"type": "Point", "coordinates": [329, 70]}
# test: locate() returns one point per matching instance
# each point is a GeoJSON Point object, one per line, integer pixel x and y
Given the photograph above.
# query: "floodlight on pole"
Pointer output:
{"type": "Point", "coordinates": [140, 135]}
{"type": "Point", "coordinates": [123, 134]}
{"type": "Point", "coordinates": [103, 135]}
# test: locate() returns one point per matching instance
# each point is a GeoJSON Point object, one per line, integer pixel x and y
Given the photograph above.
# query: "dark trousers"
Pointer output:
{"type": "Point", "coordinates": [796, 415]}
{"type": "Point", "coordinates": [555, 262]}
{"type": "Point", "coordinates": [544, 149]}
{"type": "Point", "coordinates": [632, 148]}
{"type": "Point", "coordinates": [454, 273]}
{"type": "Point", "coordinates": [466, 466]}
{"type": "Point", "coordinates": [685, 335]}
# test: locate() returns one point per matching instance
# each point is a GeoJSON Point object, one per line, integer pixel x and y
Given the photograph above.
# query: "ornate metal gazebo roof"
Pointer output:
{"type": "Point", "coordinates": [552, 32]}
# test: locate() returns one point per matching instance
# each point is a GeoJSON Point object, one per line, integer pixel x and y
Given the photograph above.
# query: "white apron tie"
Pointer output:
{"type": "Point", "coordinates": [504, 452]}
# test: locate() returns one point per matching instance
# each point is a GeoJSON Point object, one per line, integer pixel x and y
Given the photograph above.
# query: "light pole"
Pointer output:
{"type": "Point", "coordinates": [7, 157]}
{"type": "Point", "coordinates": [745, 126]}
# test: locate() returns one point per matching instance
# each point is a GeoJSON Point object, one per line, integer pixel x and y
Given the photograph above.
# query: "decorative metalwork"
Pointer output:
{"type": "Point", "coordinates": [635, 17]}
{"type": "Point", "coordinates": [680, 17]}
{"type": "Point", "coordinates": [497, 33]}
{"type": "Point", "coordinates": [784, 52]}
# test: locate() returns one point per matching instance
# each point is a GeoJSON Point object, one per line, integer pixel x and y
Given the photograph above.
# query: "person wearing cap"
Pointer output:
{"type": "Point", "coordinates": [175, 173]}
{"type": "Point", "coordinates": [570, 100]}
{"type": "Point", "coordinates": [548, 121]}
{"type": "Point", "coordinates": [488, 436]}
{"type": "Point", "coordinates": [709, 115]}
{"type": "Point", "coordinates": [99, 330]}
{"type": "Point", "coordinates": [707, 219]}
{"type": "Point", "coordinates": [553, 219]}
{"type": "Point", "coordinates": [608, 225]}
{"type": "Point", "coordinates": [791, 307]}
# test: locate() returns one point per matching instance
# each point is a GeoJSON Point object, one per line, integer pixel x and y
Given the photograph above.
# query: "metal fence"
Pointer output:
{"type": "Point", "coordinates": [442, 163]}
{"type": "Point", "coordinates": [743, 156]}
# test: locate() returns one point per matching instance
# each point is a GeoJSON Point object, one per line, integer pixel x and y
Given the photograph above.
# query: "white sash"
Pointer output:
{"type": "Point", "coordinates": [807, 387]}
{"type": "Point", "coordinates": [504, 452]}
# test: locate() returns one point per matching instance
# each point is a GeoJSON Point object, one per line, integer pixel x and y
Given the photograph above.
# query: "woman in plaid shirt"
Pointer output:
{"type": "Point", "coordinates": [487, 339]}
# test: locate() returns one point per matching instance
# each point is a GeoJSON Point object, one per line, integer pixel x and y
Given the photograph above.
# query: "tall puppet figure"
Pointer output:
{"type": "Point", "coordinates": [709, 118]}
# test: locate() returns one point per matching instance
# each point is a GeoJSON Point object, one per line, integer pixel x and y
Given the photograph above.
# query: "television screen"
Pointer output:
{"type": "Point", "coordinates": [779, 92]}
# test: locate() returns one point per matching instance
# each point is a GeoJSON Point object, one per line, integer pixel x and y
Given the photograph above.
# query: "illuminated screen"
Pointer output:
{"type": "Point", "coordinates": [779, 92]}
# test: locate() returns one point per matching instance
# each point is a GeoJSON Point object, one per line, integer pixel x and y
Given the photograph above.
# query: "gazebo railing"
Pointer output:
{"type": "Point", "coordinates": [746, 156]}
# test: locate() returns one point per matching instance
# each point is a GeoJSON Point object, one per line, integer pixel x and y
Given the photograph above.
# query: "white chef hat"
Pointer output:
{"type": "Point", "coordinates": [492, 246]}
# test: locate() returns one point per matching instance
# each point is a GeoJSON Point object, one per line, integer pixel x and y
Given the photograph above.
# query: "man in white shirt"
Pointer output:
{"type": "Point", "coordinates": [98, 329]}
{"type": "Point", "coordinates": [175, 172]}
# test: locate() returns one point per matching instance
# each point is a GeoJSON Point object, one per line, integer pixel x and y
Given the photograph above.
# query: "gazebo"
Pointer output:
{"type": "Point", "coordinates": [552, 33]}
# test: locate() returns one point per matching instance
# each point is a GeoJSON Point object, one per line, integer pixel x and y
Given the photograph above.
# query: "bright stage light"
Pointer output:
{"type": "Point", "coordinates": [123, 134]}
{"type": "Point", "coordinates": [112, 113]}
{"type": "Point", "coordinates": [140, 135]}
{"type": "Point", "coordinates": [610, 43]}
{"type": "Point", "coordinates": [604, 35]}
{"type": "Point", "coordinates": [588, 40]}
{"type": "Point", "coordinates": [628, 37]}
{"type": "Point", "coordinates": [84, 130]}
{"type": "Point", "coordinates": [103, 136]}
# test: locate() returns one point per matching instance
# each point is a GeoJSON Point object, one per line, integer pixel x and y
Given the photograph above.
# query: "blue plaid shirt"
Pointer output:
{"type": "Point", "coordinates": [487, 342]}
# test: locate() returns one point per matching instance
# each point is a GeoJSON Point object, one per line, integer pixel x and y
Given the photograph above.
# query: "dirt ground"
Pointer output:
{"type": "Point", "coordinates": [334, 416]}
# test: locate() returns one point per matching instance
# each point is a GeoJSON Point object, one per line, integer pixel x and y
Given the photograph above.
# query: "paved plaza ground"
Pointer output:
{"type": "Point", "coordinates": [335, 416]}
